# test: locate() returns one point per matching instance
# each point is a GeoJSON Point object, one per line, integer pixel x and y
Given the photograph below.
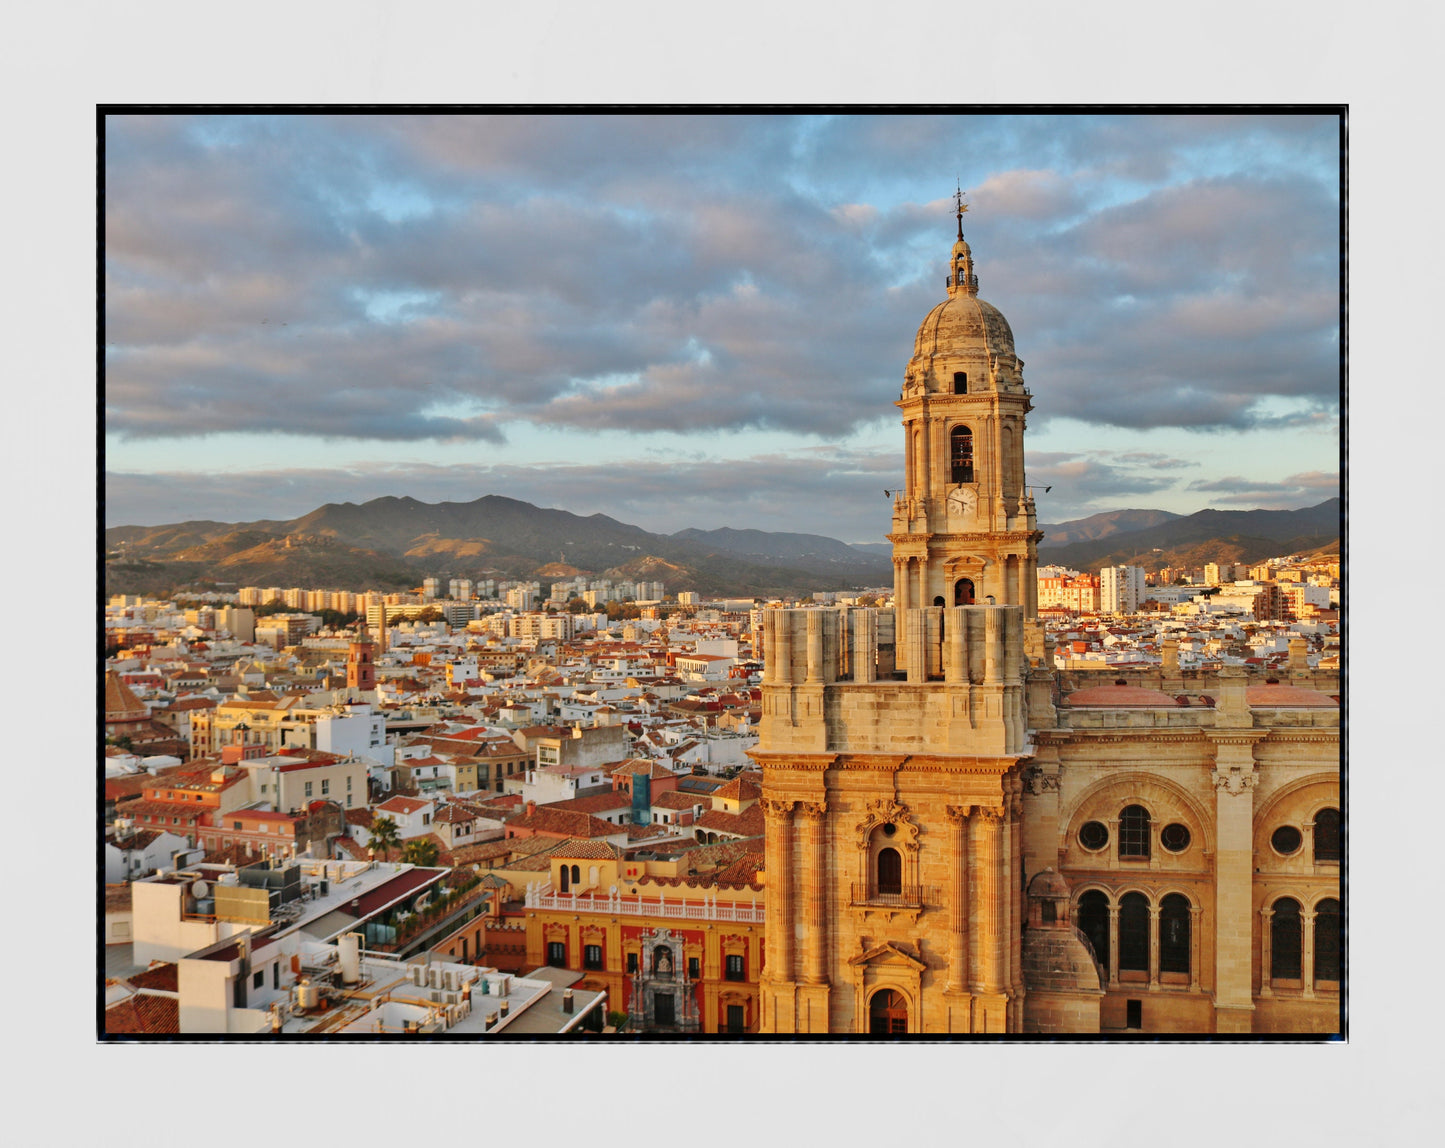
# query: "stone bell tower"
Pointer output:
{"type": "Point", "coordinates": [892, 741]}
{"type": "Point", "coordinates": [964, 529]}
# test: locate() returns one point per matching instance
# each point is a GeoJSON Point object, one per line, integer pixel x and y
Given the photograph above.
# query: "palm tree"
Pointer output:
{"type": "Point", "coordinates": [384, 836]}
{"type": "Point", "coordinates": [420, 851]}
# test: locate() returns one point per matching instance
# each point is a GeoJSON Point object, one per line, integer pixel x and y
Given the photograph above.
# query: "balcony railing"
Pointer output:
{"type": "Point", "coordinates": [906, 897]}
{"type": "Point", "coordinates": [706, 909]}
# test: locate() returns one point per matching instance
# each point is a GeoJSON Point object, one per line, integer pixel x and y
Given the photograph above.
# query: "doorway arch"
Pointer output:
{"type": "Point", "coordinates": [887, 1013]}
{"type": "Point", "coordinates": [963, 592]}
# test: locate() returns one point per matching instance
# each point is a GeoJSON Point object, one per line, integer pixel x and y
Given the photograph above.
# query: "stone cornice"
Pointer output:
{"type": "Point", "coordinates": [1181, 736]}
{"type": "Point", "coordinates": [1305, 734]}
{"type": "Point", "coordinates": [1235, 736]}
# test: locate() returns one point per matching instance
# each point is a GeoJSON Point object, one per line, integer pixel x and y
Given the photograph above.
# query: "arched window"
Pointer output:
{"type": "Point", "coordinates": [1134, 933]}
{"type": "Point", "coordinates": [1093, 921]}
{"type": "Point", "coordinates": [938, 600]}
{"type": "Point", "coordinates": [960, 382]}
{"type": "Point", "coordinates": [1134, 832]}
{"type": "Point", "coordinates": [887, 1013]}
{"type": "Point", "coordinates": [1174, 934]}
{"type": "Point", "coordinates": [1327, 835]}
{"type": "Point", "coordinates": [1286, 940]}
{"type": "Point", "coordinates": [566, 882]}
{"type": "Point", "coordinates": [576, 874]}
{"type": "Point", "coordinates": [961, 452]}
{"type": "Point", "coordinates": [1327, 940]}
{"type": "Point", "coordinates": [963, 592]}
{"type": "Point", "coordinates": [890, 872]}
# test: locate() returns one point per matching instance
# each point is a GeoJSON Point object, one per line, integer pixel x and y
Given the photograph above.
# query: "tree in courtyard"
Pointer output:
{"type": "Point", "coordinates": [420, 851]}
{"type": "Point", "coordinates": [384, 836]}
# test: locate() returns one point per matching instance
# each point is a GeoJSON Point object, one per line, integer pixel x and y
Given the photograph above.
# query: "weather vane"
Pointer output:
{"type": "Point", "coordinates": [961, 207]}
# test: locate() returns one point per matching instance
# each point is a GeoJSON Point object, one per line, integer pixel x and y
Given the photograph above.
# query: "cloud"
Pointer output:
{"type": "Point", "coordinates": [1308, 488]}
{"type": "Point", "coordinates": [702, 274]}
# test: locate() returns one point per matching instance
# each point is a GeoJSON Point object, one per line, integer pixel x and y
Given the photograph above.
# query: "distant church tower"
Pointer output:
{"type": "Point", "coordinates": [891, 741]}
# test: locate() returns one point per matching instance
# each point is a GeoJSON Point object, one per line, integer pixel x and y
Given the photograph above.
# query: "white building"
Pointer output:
{"type": "Point", "coordinates": [1121, 589]}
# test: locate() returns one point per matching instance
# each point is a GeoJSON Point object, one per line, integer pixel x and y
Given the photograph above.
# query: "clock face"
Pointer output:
{"type": "Point", "coordinates": [962, 500]}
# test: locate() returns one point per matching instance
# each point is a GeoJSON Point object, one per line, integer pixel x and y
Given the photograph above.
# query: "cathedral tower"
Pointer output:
{"type": "Point", "coordinates": [892, 741]}
{"type": "Point", "coordinates": [964, 530]}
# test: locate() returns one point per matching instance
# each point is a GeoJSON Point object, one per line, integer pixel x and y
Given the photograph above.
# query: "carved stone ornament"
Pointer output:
{"type": "Point", "coordinates": [777, 808]}
{"type": "Point", "coordinates": [886, 811]}
{"type": "Point", "coordinates": [1048, 783]}
{"type": "Point", "coordinates": [811, 809]}
{"type": "Point", "coordinates": [1233, 781]}
{"type": "Point", "coordinates": [958, 814]}
{"type": "Point", "coordinates": [988, 816]}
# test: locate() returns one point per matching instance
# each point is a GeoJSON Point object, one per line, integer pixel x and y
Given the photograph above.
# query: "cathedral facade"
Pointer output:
{"type": "Point", "coordinates": [959, 839]}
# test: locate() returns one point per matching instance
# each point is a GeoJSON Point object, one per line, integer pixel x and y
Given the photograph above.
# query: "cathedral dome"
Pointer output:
{"type": "Point", "coordinates": [1049, 884]}
{"type": "Point", "coordinates": [964, 322]}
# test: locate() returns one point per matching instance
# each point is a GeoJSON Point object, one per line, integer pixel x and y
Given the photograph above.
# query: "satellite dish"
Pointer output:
{"type": "Point", "coordinates": [200, 889]}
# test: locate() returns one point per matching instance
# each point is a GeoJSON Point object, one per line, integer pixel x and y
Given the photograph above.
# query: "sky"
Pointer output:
{"type": "Point", "coordinates": [703, 320]}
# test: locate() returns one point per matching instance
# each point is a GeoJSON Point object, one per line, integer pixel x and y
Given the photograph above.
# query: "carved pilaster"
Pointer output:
{"type": "Point", "coordinates": [1153, 948]}
{"type": "Point", "coordinates": [1307, 955]}
{"type": "Point", "coordinates": [1113, 946]}
{"type": "Point", "coordinates": [958, 826]}
{"type": "Point", "coordinates": [778, 816]}
{"type": "Point", "coordinates": [815, 836]}
{"type": "Point", "coordinates": [1196, 916]}
{"type": "Point", "coordinates": [1266, 955]}
{"type": "Point", "coordinates": [992, 910]}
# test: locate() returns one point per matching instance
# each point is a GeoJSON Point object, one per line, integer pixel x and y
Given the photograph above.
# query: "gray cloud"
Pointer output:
{"type": "Point", "coordinates": [409, 278]}
{"type": "Point", "coordinates": [1305, 489]}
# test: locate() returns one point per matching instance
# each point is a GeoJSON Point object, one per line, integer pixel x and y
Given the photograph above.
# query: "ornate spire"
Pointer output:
{"type": "Point", "coordinates": [960, 271]}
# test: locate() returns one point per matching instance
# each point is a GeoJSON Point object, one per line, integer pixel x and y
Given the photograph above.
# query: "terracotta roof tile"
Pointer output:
{"type": "Point", "coordinates": [588, 851]}
{"type": "Point", "coordinates": [142, 1014]}
{"type": "Point", "coordinates": [596, 803]}
{"type": "Point", "coordinates": [162, 976]}
{"type": "Point", "coordinates": [563, 823]}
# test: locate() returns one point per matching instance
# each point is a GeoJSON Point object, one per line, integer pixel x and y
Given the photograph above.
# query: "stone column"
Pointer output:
{"type": "Point", "coordinates": [958, 826]}
{"type": "Point", "coordinates": [1196, 946]}
{"type": "Point", "coordinates": [768, 646]}
{"type": "Point", "coordinates": [1153, 948]}
{"type": "Point", "coordinates": [1016, 898]}
{"type": "Point", "coordinates": [902, 602]}
{"type": "Point", "coordinates": [782, 645]}
{"type": "Point", "coordinates": [915, 622]}
{"type": "Point", "coordinates": [955, 666]}
{"type": "Point", "coordinates": [992, 647]}
{"type": "Point", "coordinates": [778, 849]}
{"type": "Point", "coordinates": [815, 836]}
{"type": "Point", "coordinates": [815, 647]}
{"type": "Point", "coordinates": [865, 646]}
{"type": "Point", "coordinates": [1266, 956]}
{"type": "Point", "coordinates": [1234, 776]}
{"type": "Point", "coordinates": [1114, 946]}
{"type": "Point", "coordinates": [994, 903]}
{"type": "Point", "coordinates": [1307, 955]}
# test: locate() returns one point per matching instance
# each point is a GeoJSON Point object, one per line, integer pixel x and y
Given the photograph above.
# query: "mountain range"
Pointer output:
{"type": "Point", "coordinates": [393, 543]}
